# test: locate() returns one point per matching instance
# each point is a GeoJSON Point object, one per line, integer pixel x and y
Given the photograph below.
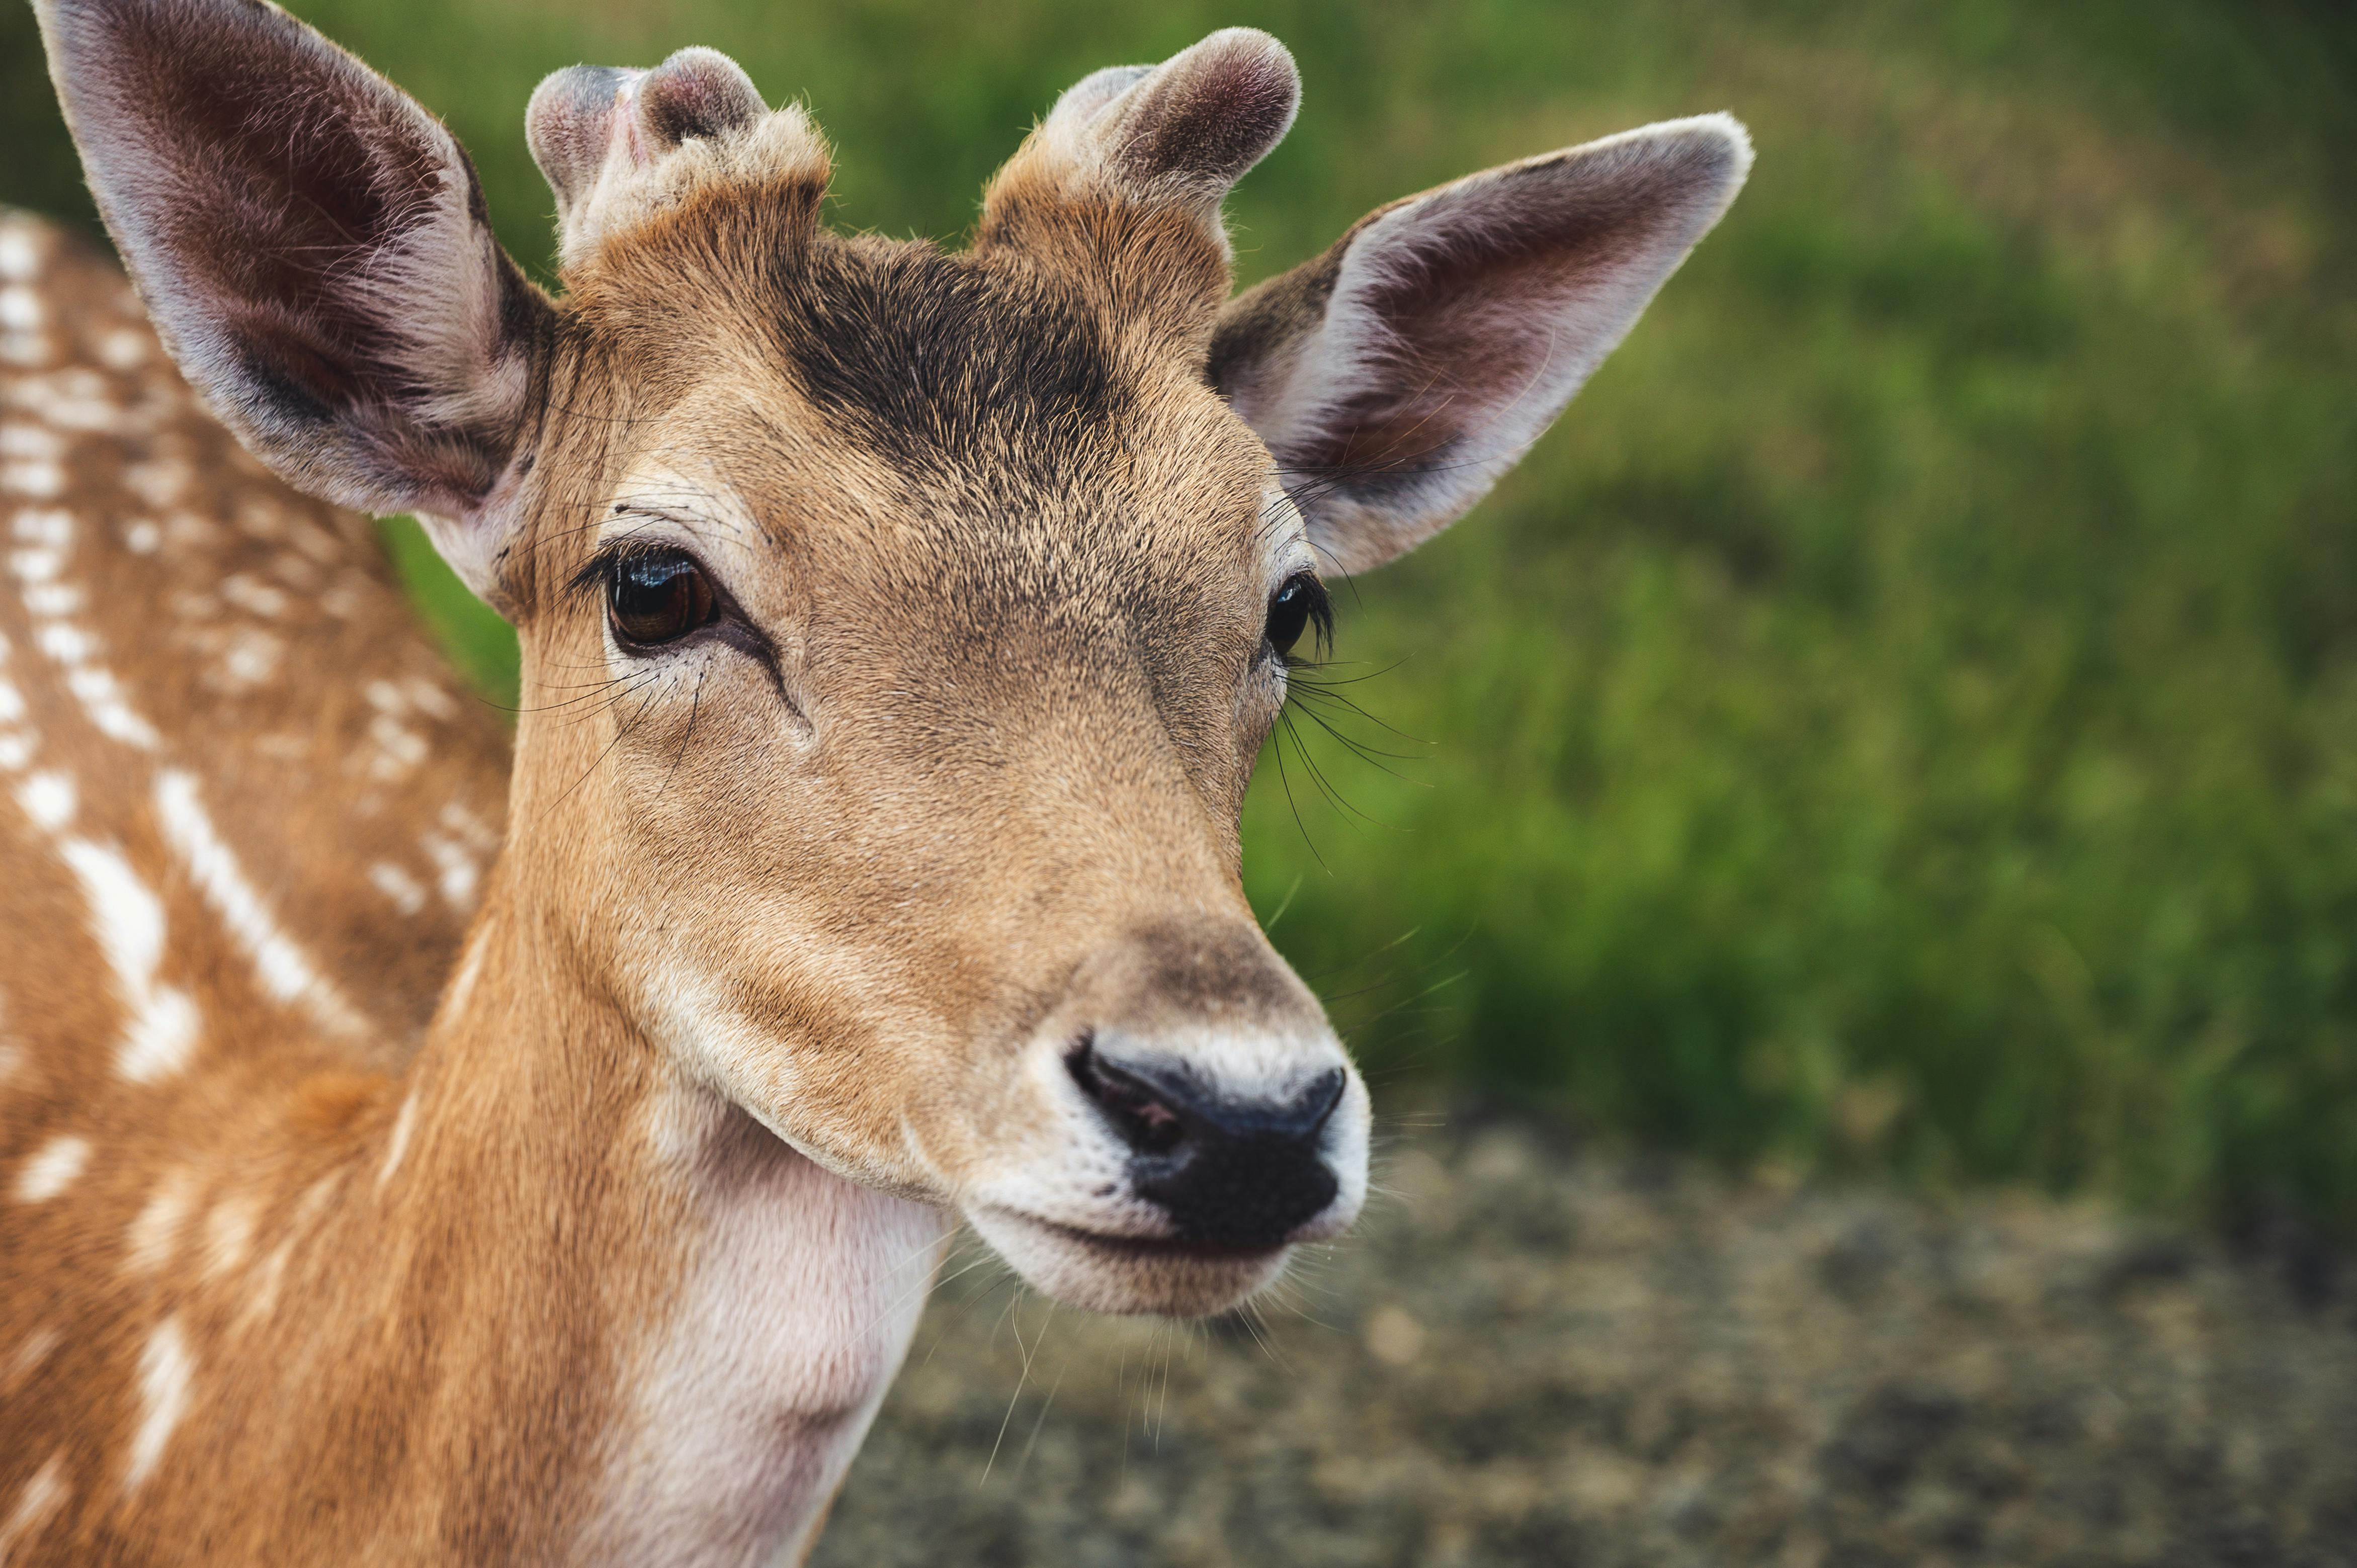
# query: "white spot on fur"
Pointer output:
{"type": "Point", "coordinates": [143, 537]}
{"type": "Point", "coordinates": [286, 975]}
{"type": "Point", "coordinates": [249, 659]}
{"type": "Point", "coordinates": [271, 1275]}
{"type": "Point", "coordinates": [432, 699]}
{"type": "Point", "coordinates": [75, 399]}
{"type": "Point", "coordinates": [187, 530]}
{"type": "Point", "coordinates": [124, 349]}
{"type": "Point", "coordinates": [51, 526]}
{"type": "Point", "coordinates": [312, 1204]}
{"type": "Point", "coordinates": [67, 645]}
{"type": "Point", "coordinates": [266, 1283]}
{"type": "Point", "coordinates": [165, 1372]}
{"type": "Point", "coordinates": [55, 599]}
{"type": "Point", "coordinates": [397, 1147]}
{"type": "Point", "coordinates": [16, 744]}
{"type": "Point", "coordinates": [398, 885]}
{"type": "Point", "coordinates": [463, 986]}
{"type": "Point", "coordinates": [459, 873]}
{"type": "Point", "coordinates": [161, 1037]}
{"type": "Point", "coordinates": [343, 601]}
{"type": "Point", "coordinates": [39, 564]}
{"type": "Point", "coordinates": [103, 700]}
{"type": "Point", "coordinates": [398, 750]}
{"type": "Point", "coordinates": [49, 799]}
{"type": "Point", "coordinates": [128, 920]}
{"type": "Point", "coordinates": [20, 251]}
{"type": "Point", "coordinates": [250, 593]}
{"type": "Point", "coordinates": [155, 1232]}
{"type": "Point", "coordinates": [47, 532]}
{"type": "Point", "coordinates": [20, 309]}
{"type": "Point", "coordinates": [41, 480]}
{"type": "Point", "coordinates": [229, 1235]}
{"type": "Point", "coordinates": [52, 1170]}
{"type": "Point", "coordinates": [159, 483]}
{"type": "Point", "coordinates": [31, 441]}
{"type": "Point", "coordinates": [41, 1498]}
{"type": "Point", "coordinates": [475, 833]}
{"type": "Point", "coordinates": [261, 518]}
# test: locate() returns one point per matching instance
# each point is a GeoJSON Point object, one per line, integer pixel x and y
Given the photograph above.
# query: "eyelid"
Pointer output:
{"type": "Point", "coordinates": [599, 568]}
{"type": "Point", "coordinates": [620, 544]}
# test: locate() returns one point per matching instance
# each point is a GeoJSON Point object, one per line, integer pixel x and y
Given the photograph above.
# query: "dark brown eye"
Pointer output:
{"type": "Point", "coordinates": [1294, 608]}
{"type": "Point", "coordinates": [654, 596]}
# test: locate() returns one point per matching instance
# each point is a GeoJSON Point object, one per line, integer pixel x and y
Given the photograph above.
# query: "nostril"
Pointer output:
{"type": "Point", "coordinates": [1310, 1110]}
{"type": "Point", "coordinates": [1143, 1116]}
{"type": "Point", "coordinates": [1229, 1170]}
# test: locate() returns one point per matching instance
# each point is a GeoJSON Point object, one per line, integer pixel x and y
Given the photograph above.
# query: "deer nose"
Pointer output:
{"type": "Point", "coordinates": [1230, 1171]}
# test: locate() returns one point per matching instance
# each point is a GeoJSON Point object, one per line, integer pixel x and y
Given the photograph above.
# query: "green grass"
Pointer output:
{"type": "Point", "coordinates": [1906, 717]}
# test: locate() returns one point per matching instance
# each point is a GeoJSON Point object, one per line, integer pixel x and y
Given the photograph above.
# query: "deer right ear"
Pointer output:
{"type": "Point", "coordinates": [314, 249]}
{"type": "Point", "coordinates": [1397, 376]}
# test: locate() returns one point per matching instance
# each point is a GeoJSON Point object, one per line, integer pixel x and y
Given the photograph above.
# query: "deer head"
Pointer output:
{"type": "Point", "coordinates": [899, 626]}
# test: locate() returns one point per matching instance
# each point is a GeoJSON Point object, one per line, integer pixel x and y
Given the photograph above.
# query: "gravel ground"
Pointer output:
{"type": "Point", "coordinates": [1535, 1354]}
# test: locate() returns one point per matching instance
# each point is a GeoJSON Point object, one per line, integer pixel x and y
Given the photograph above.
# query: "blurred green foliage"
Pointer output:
{"type": "Point", "coordinates": [1905, 718]}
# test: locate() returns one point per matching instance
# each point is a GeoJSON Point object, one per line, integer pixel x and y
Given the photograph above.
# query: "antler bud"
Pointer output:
{"type": "Point", "coordinates": [618, 146]}
{"type": "Point", "coordinates": [1171, 137]}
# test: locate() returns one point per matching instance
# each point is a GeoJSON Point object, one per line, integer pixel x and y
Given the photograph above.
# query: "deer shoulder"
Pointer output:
{"type": "Point", "coordinates": [217, 710]}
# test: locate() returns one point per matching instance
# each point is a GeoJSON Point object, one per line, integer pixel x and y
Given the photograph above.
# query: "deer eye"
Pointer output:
{"type": "Point", "coordinates": [654, 596]}
{"type": "Point", "coordinates": [1292, 609]}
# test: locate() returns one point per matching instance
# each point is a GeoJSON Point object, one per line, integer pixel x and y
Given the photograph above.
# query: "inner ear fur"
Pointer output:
{"type": "Point", "coordinates": [1397, 376]}
{"type": "Point", "coordinates": [314, 249]}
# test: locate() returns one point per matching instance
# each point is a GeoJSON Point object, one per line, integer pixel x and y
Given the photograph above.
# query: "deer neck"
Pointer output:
{"type": "Point", "coordinates": [620, 1282]}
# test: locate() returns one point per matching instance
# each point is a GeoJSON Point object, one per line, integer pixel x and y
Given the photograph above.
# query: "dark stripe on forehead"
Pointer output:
{"type": "Point", "coordinates": [934, 360]}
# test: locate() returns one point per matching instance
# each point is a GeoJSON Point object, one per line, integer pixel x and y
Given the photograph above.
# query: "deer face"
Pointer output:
{"type": "Point", "coordinates": [966, 618]}
{"type": "Point", "coordinates": [899, 627]}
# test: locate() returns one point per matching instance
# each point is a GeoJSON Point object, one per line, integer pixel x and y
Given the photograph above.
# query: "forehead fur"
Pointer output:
{"type": "Point", "coordinates": [969, 420]}
{"type": "Point", "coordinates": [941, 366]}
{"type": "Point", "coordinates": [931, 360]}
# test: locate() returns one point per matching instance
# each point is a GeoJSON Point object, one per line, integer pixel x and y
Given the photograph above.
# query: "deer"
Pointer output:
{"type": "Point", "coordinates": [417, 1145]}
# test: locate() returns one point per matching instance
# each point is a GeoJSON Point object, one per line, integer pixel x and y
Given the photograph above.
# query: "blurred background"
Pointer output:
{"type": "Point", "coordinates": [1901, 725]}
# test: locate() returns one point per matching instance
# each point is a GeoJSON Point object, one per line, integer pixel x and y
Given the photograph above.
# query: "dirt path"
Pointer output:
{"type": "Point", "coordinates": [1535, 1356]}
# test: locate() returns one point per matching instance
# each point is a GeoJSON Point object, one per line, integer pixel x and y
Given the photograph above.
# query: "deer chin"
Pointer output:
{"type": "Point", "coordinates": [1128, 1274]}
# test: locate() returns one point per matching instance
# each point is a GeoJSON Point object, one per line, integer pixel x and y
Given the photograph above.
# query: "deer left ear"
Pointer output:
{"type": "Point", "coordinates": [313, 247]}
{"type": "Point", "coordinates": [1398, 375]}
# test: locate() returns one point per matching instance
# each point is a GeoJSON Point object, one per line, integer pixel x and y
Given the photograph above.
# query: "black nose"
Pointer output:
{"type": "Point", "coordinates": [1229, 1172]}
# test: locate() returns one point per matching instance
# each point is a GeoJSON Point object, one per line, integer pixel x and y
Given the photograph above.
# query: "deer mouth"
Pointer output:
{"type": "Point", "coordinates": [1160, 1247]}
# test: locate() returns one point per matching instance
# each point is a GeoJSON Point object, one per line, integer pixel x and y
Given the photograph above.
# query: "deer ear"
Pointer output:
{"type": "Point", "coordinates": [314, 249]}
{"type": "Point", "coordinates": [1397, 376]}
